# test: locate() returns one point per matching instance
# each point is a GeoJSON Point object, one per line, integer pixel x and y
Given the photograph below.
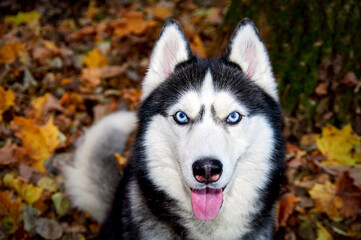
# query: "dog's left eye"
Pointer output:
{"type": "Point", "coordinates": [180, 118]}
{"type": "Point", "coordinates": [233, 118]}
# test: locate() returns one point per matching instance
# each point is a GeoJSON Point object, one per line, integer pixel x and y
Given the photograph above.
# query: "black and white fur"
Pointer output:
{"type": "Point", "coordinates": [152, 200]}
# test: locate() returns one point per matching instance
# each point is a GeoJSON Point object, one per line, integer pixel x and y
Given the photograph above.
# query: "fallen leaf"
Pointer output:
{"type": "Point", "coordinates": [90, 77]}
{"type": "Point", "coordinates": [95, 59]}
{"type": "Point", "coordinates": [112, 71]}
{"type": "Point", "coordinates": [286, 206]}
{"type": "Point", "coordinates": [92, 10]}
{"type": "Point", "coordinates": [322, 233]}
{"type": "Point", "coordinates": [322, 89]}
{"type": "Point", "coordinates": [30, 214]}
{"type": "Point", "coordinates": [351, 195]}
{"type": "Point", "coordinates": [42, 105]}
{"type": "Point", "coordinates": [23, 17]}
{"type": "Point", "coordinates": [339, 146]}
{"type": "Point", "coordinates": [28, 192]}
{"type": "Point", "coordinates": [198, 47]}
{"type": "Point", "coordinates": [162, 12]}
{"type": "Point", "coordinates": [48, 228]}
{"type": "Point", "coordinates": [9, 52]}
{"type": "Point", "coordinates": [131, 23]}
{"type": "Point", "coordinates": [355, 174]}
{"type": "Point", "coordinates": [7, 154]}
{"type": "Point", "coordinates": [326, 199]}
{"type": "Point", "coordinates": [48, 184]}
{"type": "Point", "coordinates": [10, 211]}
{"type": "Point", "coordinates": [132, 95]}
{"type": "Point", "coordinates": [39, 143]}
{"type": "Point", "coordinates": [61, 204]}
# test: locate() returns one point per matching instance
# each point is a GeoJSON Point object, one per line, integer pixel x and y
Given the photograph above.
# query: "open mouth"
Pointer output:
{"type": "Point", "coordinates": [207, 202]}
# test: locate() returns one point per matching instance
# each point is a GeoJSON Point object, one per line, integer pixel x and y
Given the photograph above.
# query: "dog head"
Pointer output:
{"type": "Point", "coordinates": [208, 124]}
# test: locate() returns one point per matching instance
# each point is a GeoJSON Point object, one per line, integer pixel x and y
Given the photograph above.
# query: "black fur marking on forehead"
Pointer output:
{"type": "Point", "coordinates": [226, 76]}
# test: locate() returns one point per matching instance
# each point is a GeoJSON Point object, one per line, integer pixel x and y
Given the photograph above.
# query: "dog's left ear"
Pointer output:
{"type": "Point", "coordinates": [171, 49]}
{"type": "Point", "coordinates": [247, 50]}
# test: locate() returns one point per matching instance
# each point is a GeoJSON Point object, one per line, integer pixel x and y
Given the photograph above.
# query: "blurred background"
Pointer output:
{"type": "Point", "coordinates": [67, 64]}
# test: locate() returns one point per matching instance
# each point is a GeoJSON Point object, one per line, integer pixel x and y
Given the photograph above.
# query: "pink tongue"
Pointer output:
{"type": "Point", "coordinates": [206, 203]}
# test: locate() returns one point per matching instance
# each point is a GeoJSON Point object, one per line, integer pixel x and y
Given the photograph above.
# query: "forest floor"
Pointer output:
{"type": "Point", "coordinates": [63, 68]}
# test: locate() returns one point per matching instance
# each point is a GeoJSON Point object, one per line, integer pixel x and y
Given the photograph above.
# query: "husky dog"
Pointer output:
{"type": "Point", "coordinates": [208, 155]}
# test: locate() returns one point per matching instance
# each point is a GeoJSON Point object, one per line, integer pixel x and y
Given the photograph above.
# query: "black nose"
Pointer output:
{"type": "Point", "coordinates": [207, 170]}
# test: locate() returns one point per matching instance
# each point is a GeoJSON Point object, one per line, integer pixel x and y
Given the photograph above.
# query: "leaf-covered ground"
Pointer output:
{"type": "Point", "coordinates": [63, 67]}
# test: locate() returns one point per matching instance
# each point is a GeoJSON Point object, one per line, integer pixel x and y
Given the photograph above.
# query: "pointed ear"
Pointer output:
{"type": "Point", "coordinates": [247, 50]}
{"type": "Point", "coordinates": [171, 49]}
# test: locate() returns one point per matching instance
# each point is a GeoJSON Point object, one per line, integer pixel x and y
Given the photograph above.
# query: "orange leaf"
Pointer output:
{"type": "Point", "coordinates": [161, 12]}
{"type": "Point", "coordinates": [9, 52]}
{"type": "Point", "coordinates": [198, 47]}
{"type": "Point", "coordinates": [286, 208]}
{"type": "Point", "coordinates": [132, 23]}
{"type": "Point", "coordinates": [95, 59]}
{"type": "Point", "coordinates": [39, 143]}
{"type": "Point", "coordinates": [90, 76]}
{"type": "Point", "coordinates": [6, 100]}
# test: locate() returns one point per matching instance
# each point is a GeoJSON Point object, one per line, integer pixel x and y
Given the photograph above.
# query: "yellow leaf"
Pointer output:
{"type": "Point", "coordinates": [38, 142]}
{"type": "Point", "coordinates": [28, 192]}
{"type": "Point", "coordinates": [10, 212]}
{"type": "Point", "coordinates": [6, 100]}
{"type": "Point", "coordinates": [38, 105]}
{"type": "Point", "coordinates": [326, 199]}
{"type": "Point", "coordinates": [22, 17]}
{"type": "Point", "coordinates": [322, 233]}
{"type": "Point", "coordinates": [95, 59]}
{"type": "Point", "coordinates": [339, 146]}
{"type": "Point", "coordinates": [48, 184]}
{"type": "Point", "coordinates": [9, 52]}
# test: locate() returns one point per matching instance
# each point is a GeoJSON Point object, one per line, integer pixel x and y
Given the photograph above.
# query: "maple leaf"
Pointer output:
{"type": "Point", "coordinates": [23, 17]}
{"type": "Point", "coordinates": [95, 59]}
{"type": "Point", "coordinates": [326, 199]}
{"type": "Point", "coordinates": [38, 143]}
{"type": "Point", "coordinates": [339, 146]}
{"type": "Point", "coordinates": [10, 212]}
{"type": "Point", "coordinates": [6, 100]}
{"type": "Point", "coordinates": [9, 52]}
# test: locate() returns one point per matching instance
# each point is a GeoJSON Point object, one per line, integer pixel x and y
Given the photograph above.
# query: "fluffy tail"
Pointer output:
{"type": "Point", "coordinates": [92, 178]}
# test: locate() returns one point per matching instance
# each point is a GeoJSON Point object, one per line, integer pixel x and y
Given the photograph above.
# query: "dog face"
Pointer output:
{"type": "Point", "coordinates": [206, 127]}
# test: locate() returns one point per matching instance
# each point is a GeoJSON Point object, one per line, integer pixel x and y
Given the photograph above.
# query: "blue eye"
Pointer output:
{"type": "Point", "coordinates": [234, 117]}
{"type": "Point", "coordinates": [180, 118]}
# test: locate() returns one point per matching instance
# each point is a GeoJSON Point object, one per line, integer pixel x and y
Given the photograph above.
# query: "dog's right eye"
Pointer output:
{"type": "Point", "coordinates": [180, 118]}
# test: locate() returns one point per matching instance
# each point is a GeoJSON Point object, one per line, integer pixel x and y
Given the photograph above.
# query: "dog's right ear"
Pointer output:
{"type": "Point", "coordinates": [171, 49]}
